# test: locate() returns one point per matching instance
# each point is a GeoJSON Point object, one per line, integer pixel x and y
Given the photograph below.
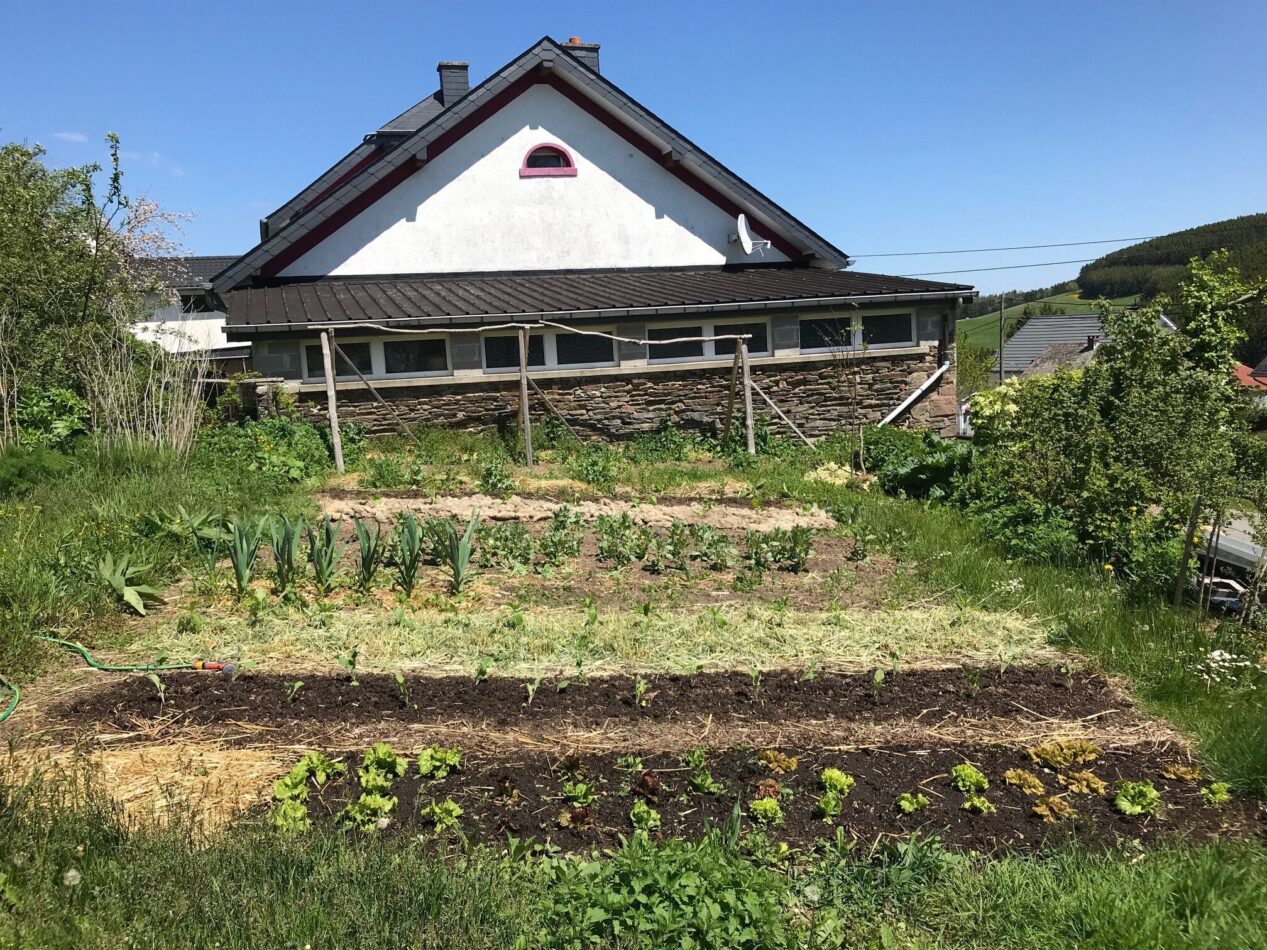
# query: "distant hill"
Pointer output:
{"type": "Point", "coordinates": [1155, 267]}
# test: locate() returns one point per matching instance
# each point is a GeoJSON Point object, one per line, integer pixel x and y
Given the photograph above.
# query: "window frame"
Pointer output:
{"type": "Point", "coordinates": [378, 361]}
{"type": "Point", "coordinates": [855, 335]}
{"type": "Point", "coordinates": [567, 171]}
{"type": "Point", "coordinates": [706, 325]}
{"type": "Point", "coordinates": [549, 346]}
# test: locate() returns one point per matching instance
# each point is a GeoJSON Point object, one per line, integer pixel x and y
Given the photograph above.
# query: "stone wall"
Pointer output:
{"type": "Point", "coordinates": [811, 391]}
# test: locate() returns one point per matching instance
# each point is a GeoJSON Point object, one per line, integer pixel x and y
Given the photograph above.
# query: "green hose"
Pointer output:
{"type": "Point", "coordinates": [105, 667]}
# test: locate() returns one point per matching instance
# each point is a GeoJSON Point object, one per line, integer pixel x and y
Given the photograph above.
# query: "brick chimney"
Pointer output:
{"type": "Point", "coordinates": [587, 53]}
{"type": "Point", "coordinates": [454, 82]}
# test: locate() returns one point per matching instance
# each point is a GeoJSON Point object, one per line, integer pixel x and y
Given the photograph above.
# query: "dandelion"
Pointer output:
{"type": "Point", "coordinates": [72, 877]}
{"type": "Point", "coordinates": [1108, 567]}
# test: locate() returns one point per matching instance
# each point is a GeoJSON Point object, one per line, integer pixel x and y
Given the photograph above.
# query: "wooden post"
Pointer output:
{"type": "Point", "coordinates": [747, 397]}
{"type": "Point", "coordinates": [525, 420]}
{"type": "Point", "coordinates": [1189, 540]}
{"type": "Point", "coordinates": [730, 402]}
{"type": "Point", "coordinates": [327, 355]}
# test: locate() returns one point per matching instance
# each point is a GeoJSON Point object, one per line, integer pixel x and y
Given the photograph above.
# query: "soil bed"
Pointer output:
{"type": "Point", "coordinates": [497, 703]}
{"type": "Point", "coordinates": [524, 798]}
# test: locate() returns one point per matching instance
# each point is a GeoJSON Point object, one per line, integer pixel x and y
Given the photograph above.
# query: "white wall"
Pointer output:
{"type": "Point", "coordinates": [469, 210]}
{"type": "Point", "coordinates": [180, 332]}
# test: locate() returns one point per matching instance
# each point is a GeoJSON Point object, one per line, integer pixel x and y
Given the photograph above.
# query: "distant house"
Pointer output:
{"type": "Point", "coordinates": [1050, 341]}
{"type": "Point", "coordinates": [192, 320]}
{"type": "Point", "coordinates": [547, 196]}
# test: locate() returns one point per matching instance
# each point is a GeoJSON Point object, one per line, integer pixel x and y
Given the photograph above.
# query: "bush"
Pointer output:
{"type": "Point", "coordinates": [666, 444]}
{"type": "Point", "coordinates": [23, 467]}
{"type": "Point", "coordinates": [596, 464]}
{"type": "Point", "coordinates": [51, 418]}
{"type": "Point", "coordinates": [914, 464]}
{"type": "Point", "coordinates": [283, 449]}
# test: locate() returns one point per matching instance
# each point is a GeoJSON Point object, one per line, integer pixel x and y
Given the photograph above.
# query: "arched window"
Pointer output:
{"type": "Point", "coordinates": [547, 161]}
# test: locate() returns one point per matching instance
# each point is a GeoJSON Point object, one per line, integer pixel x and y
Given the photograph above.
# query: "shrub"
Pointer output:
{"type": "Point", "coordinates": [666, 444]}
{"type": "Point", "coordinates": [51, 418]}
{"type": "Point", "coordinates": [563, 536]}
{"type": "Point", "coordinates": [23, 467]}
{"type": "Point", "coordinates": [495, 478]}
{"type": "Point", "coordinates": [914, 464]}
{"type": "Point", "coordinates": [283, 449]}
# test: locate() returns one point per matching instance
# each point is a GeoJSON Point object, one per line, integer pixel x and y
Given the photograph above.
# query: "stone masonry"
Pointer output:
{"type": "Point", "coordinates": [814, 392]}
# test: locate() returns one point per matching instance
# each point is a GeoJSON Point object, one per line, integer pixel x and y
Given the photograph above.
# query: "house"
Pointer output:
{"type": "Point", "coordinates": [187, 319]}
{"type": "Point", "coordinates": [1051, 340]}
{"type": "Point", "coordinates": [546, 196]}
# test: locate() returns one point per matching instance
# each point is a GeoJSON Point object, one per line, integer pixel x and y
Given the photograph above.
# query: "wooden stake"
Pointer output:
{"type": "Point", "coordinates": [525, 420]}
{"type": "Point", "coordinates": [327, 355]}
{"type": "Point", "coordinates": [730, 403]}
{"type": "Point", "coordinates": [747, 397]}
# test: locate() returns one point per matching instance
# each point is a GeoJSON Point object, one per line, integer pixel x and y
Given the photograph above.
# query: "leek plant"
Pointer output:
{"type": "Point", "coordinates": [283, 540]}
{"type": "Point", "coordinates": [324, 551]}
{"type": "Point", "coordinates": [454, 550]}
{"type": "Point", "coordinates": [370, 546]}
{"type": "Point", "coordinates": [244, 548]}
{"type": "Point", "coordinates": [408, 553]}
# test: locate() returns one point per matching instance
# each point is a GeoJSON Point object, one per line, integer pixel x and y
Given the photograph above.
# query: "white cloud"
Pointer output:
{"type": "Point", "coordinates": [70, 136]}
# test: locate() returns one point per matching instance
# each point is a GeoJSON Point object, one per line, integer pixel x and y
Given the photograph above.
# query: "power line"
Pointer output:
{"type": "Point", "coordinates": [1029, 247]}
{"type": "Point", "coordinates": [973, 270]}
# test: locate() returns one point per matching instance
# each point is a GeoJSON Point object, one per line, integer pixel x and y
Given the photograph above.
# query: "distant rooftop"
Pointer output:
{"type": "Point", "coordinates": [190, 273]}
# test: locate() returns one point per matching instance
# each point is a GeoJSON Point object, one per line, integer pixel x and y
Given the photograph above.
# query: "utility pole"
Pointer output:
{"type": "Point", "coordinates": [1002, 339]}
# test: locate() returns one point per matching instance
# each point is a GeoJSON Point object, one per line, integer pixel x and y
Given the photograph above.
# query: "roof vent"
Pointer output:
{"type": "Point", "coordinates": [454, 82]}
{"type": "Point", "coordinates": [587, 53]}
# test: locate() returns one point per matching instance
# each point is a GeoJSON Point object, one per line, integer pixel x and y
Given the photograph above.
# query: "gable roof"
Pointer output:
{"type": "Point", "coordinates": [1250, 378]}
{"type": "Point", "coordinates": [417, 300]}
{"type": "Point", "coordinates": [187, 273]}
{"type": "Point", "coordinates": [1039, 332]}
{"type": "Point", "coordinates": [363, 181]}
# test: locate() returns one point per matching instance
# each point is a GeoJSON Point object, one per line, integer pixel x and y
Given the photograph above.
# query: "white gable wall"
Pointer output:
{"type": "Point", "coordinates": [468, 210]}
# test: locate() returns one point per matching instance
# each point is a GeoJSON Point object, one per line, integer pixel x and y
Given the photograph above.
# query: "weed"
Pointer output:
{"type": "Point", "coordinates": [909, 803]}
{"type": "Point", "coordinates": [1136, 798]}
{"type": "Point", "coordinates": [596, 464]}
{"type": "Point", "coordinates": [1027, 782]}
{"type": "Point", "coordinates": [292, 690]}
{"type": "Point", "coordinates": [370, 547]}
{"type": "Point", "coordinates": [324, 552]}
{"type": "Point", "coordinates": [443, 814]}
{"type": "Point", "coordinates": [643, 817]}
{"type": "Point", "coordinates": [969, 779]}
{"type": "Point", "coordinates": [436, 762]}
{"type": "Point", "coordinates": [811, 672]}
{"type": "Point", "coordinates": [348, 662]}
{"type": "Point", "coordinates": [124, 579]}
{"type": "Point", "coordinates": [766, 811]}
{"type": "Point", "coordinates": [973, 677]}
{"type": "Point", "coordinates": [409, 552]}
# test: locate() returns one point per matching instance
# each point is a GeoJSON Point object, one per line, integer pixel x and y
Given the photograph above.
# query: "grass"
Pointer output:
{"type": "Point", "coordinates": [983, 331]}
{"type": "Point", "coordinates": [545, 640]}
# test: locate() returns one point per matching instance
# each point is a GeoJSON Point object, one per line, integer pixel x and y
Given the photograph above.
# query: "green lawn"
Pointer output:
{"type": "Point", "coordinates": [983, 331]}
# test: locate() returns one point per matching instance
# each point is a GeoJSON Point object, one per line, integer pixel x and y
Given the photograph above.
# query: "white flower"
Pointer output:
{"type": "Point", "coordinates": [72, 877]}
{"type": "Point", "coordinates": [383, 822]}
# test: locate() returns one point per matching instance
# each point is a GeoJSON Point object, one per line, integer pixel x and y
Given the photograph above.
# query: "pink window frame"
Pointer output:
{"type": "Point", "coordinates": [569, 171]}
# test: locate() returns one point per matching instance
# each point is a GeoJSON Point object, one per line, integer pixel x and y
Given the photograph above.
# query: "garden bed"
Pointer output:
{"type": "Point", "coordinates": [524, 797]}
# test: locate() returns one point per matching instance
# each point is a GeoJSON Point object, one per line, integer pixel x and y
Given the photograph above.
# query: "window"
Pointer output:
{"type": "Point", "coordinates": [415, 356]}
{"type": "Point", "coordinates": [572, 349]}
{"type": "Point", "coordinates": [358, 353]}
{"type": "Point", "coordinates": [758, 345]}
{"type": "Point", "coordinates": [547, 160]}
{"type": "Point", "coordinates": [675, 351]}
{"type": "Point", "coordinates": [869, 330]}
{"type": "Point", "coordinates": [502, 352]}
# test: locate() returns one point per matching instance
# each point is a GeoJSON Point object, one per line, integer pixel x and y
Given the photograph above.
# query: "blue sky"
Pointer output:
{"type": "Point", "coordinates": [885, 126]}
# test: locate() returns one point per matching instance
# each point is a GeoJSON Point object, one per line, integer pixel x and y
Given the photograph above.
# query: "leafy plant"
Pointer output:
{"type": "Point", "coordinates": [777, 762]}
{"type": "Point", "coordinates": [830, 804]}
{"type": "Point", "coordinates": [620, 541]}
{"type": "Point", "coordinates": [1083, 783]}
{"type": "Point", "coordinates": [436, 762]}
{"type": "Point", "coordinates": [402, 687]}
{"type": "Point", "coordinates": [1027, 782]}
{"type": "Point", "coordinates": [766, 811]}
{"type": "Point", "coordinates": [909, 803]}
{"type": "Point", "coordinates": [318, 767]}
{"type": "Point", "coordinates": [578, 793]}
{"type": "Point", "coordinates": [124, 578]}
{"type": "Point", "coordinates": [284, 534]}
{"type": "Point", "coordinates": [371, 812]}
{"type": "Point", "coordinates": [370, 546]}
{"type": "Point", "coordinates": [978, 803]}
{"type": "Point", "coordinates": [1216, 794]}
{"type": "Point", "coordinates": [641, 696]}
{"type": "Point", "coordinates": [834, 780]}
{"type": "Point", "coordinates": [409, 552]}
{"type": "Point", "coordinates": [1136, 798]}
{"type": "Point", "coordinates": [495, 478]}
{"type": "Point", "coordinates": [159, 686]}
{"type": "Point", "coordinates": [629, 763]}
{"type": "Point", "coordinates": [596, 464]}
{"type": "Point", "coordinates": [289, 816]}
{"type": "Point", "coordinates": [563, 536]}
{"type": "Point", "coordinates": [324, 552]}
{"type": "Point", "coordinates": [292, 690]}
{"type": "Point", "coordinates": [1053, 808]}
{"type": "Point", "coordinates": [787, 549]}
{"type": "Point", "coordinates": [455, 550]}
{"type": "Point", "coordinates": [383, 758]}
{"type": "Point", "coordinates": [968, 778]}
{"type": "Point", "coordinates": [506, 544]}
{"type": "Point", "coordinates": [1063, 753]}
{"type": "Point", "coordinates": [643, 817]}
{"type": "Point", "coordinates": [348, 662]}
{"type": "Point", "coordinates": [702, 781]}
{"type": "Point", "coordinates": [443, 814]}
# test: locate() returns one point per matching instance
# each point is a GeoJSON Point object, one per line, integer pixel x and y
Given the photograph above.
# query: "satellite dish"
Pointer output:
{"type": "Point", "coordinates": [744, 236]}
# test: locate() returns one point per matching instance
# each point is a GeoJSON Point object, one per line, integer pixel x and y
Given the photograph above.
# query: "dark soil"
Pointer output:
{"type": "Point", "coordinates": [524, 798]}
{"type": "Point", "coordinates": [928, 696]}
